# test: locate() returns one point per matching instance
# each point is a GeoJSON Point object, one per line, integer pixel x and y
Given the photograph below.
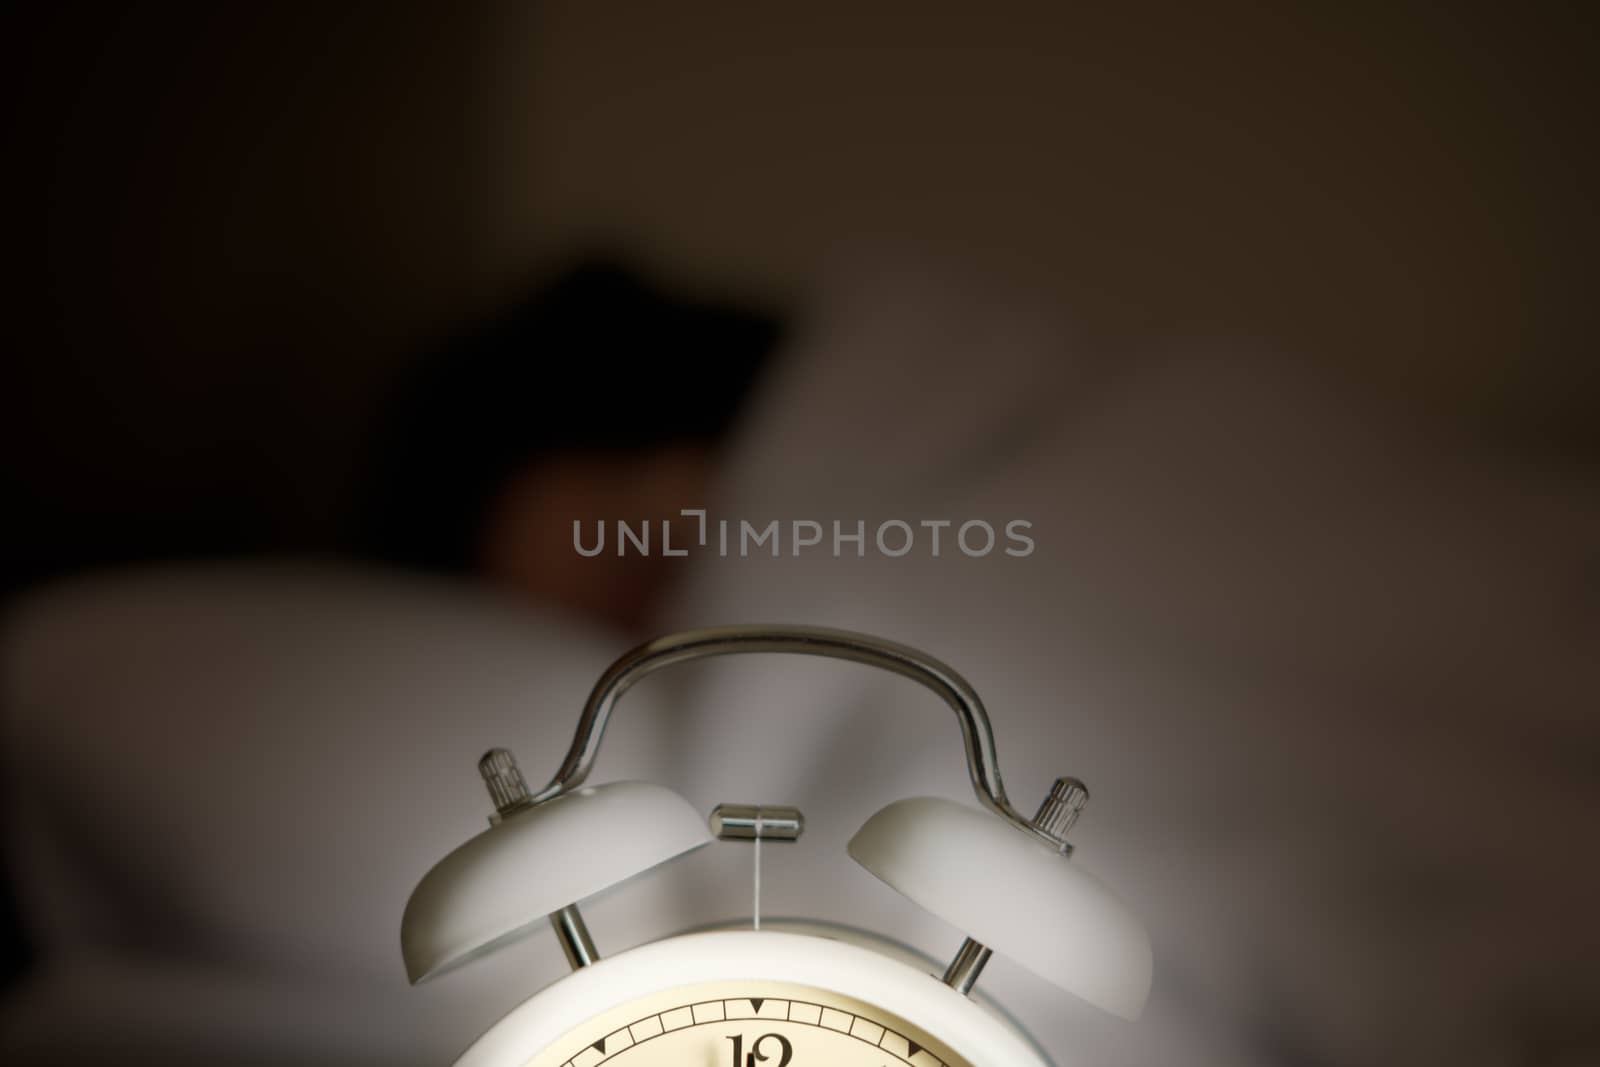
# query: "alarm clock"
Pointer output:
{"type": "Point", "coordinates": [766, 997]}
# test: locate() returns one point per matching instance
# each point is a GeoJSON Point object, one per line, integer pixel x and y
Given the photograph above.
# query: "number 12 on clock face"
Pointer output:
{"type": "Point", "coordinates": [757, 1054]}
{"type": "Point", "coordinates": [749, 1024]}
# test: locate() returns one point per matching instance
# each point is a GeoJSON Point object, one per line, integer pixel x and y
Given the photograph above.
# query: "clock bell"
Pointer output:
{"type": "Point", "coordinates": [1004, 879]}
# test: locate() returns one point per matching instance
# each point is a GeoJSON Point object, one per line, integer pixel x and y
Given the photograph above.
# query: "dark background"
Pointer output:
{"type": "Point", "coordinates": [233, 225]}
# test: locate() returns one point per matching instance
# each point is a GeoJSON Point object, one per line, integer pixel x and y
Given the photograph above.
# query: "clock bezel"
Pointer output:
{"type": "Point", "coordinates": [750, 955]}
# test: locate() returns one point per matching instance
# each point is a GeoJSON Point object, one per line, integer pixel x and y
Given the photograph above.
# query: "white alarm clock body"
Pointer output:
{"type": "Point", "coordinates": [788, 1000]}
{"type": "Point", "coordinates": [769, 998]}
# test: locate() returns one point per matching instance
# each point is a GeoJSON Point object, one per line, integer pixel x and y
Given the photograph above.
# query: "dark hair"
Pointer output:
{"type": "Point", "coordinates": [597, 360]}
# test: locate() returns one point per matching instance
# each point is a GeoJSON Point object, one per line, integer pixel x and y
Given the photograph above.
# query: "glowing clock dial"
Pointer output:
{"type": "Point", "coordinates": [747, 1024]}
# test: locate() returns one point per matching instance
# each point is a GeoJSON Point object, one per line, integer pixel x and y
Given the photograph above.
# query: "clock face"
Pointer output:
{"type": "Point", "coordinates": [747, 1024]}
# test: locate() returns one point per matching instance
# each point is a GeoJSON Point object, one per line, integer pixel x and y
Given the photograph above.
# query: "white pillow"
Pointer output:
{"type": "Point", "coordinates": [1325, 677]}
{"type": "Point", "coordinates": [227, 778]}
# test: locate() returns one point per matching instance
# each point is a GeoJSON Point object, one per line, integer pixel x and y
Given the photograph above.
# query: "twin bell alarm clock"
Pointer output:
{"type": "Point", "coordinates": [757, 997]}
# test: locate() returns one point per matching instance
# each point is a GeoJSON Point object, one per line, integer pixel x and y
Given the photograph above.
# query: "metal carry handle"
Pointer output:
{"type": "Point", "coordinates": [978, 735]}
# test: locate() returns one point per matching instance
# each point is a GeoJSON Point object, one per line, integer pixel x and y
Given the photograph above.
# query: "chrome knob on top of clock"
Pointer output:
{"type": "Point", "coordinates": [761, 997]}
